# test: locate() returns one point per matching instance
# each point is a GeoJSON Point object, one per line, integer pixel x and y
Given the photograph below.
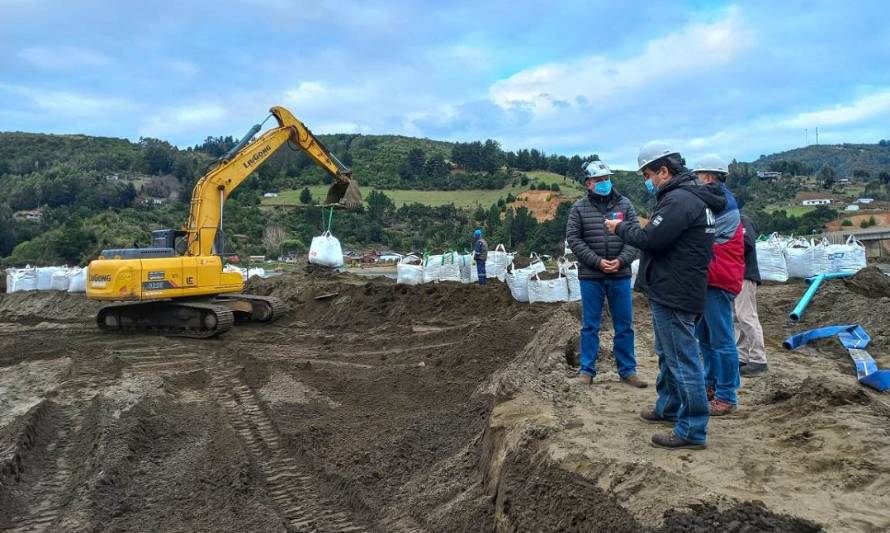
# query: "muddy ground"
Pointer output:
{"type": "Point", "coordinates": [434, 408]}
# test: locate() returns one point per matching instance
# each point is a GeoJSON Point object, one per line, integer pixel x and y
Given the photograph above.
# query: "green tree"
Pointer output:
{"type": "Point", "coordinates": [554, 187]}
{"type": "Point", "coordinates": [379, 205]}
{"type": "Point", "coordinates": [826, 176]}
{"type": "Point", "coordinates": [305, 196]}
{"type": "Point", "coordinates": [846, 222]}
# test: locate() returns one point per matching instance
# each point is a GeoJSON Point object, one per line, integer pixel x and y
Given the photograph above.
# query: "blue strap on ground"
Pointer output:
{"type": "Point", "coordinates": [855, 340]}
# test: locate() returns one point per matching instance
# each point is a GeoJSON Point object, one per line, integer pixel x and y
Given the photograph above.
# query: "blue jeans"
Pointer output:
{"type": "Point", "coordinates": [719, 352]}
{"type": "Point", "coordinates": [480, 270]}
{"type": "Point", "coordinates": [593, 292]}
{"type": "Point", "coordinates": [681, 380]}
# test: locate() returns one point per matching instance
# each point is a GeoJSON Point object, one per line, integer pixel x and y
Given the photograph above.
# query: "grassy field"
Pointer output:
{"type": "Point", "coordinates": [464, 199]}
{"type": "Point", "coordinates": [468, 198]}
{"type": "Point", "coordinates": [794, 210]}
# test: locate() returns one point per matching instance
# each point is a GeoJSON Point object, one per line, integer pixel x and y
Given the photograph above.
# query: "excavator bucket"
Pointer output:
{"type": "Point", "coordinates": [344, 194]}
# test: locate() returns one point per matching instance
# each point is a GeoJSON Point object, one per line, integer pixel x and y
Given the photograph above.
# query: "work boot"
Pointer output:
{"type": "Point", "coordinates": [652, 416]}
{"type": "Point", "coordinates": [673, 442]}
{"type": "Point", "coordinates": [583, 379]}
{"type": "Point", "coordinates": [720, 408]}
{"type": "Point", "coordinates": [751, 369]}
{"type": "Point", "coordinates": [634, 381]}
{"type": "Point", "coordinates": [710, 392]}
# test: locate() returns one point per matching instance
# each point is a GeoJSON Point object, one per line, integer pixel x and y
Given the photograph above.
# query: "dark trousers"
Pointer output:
{"type": "Point", "coordinates": [480, 270]}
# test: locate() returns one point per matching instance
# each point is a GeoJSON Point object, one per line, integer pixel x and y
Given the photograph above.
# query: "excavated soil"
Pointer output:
{"type": "Point", "coordinates": [372, 406]}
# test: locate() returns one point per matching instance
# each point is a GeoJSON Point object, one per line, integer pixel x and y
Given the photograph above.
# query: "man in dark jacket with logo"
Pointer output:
{"type": "Point", "coordinates": [676, 249]}
{"type": "Point", "coordinates": [604, 272]}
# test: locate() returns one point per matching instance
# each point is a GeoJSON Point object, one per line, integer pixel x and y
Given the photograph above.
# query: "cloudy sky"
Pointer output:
{"type": "Point", "coordinates": [738, 79]}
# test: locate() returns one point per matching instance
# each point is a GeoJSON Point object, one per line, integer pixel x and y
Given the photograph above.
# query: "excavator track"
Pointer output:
{"type": "Point", "coordinates": [263, 308]}
{"type": "Point", "coordinates": [196, 319]}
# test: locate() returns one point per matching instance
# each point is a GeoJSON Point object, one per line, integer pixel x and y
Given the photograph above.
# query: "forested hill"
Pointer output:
{"type": "Point", "coordinates": [845, 159]}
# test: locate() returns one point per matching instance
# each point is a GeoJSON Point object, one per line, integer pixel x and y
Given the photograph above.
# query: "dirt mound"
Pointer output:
{"type": "Point", "coordinates": [49, 305]}
{"type": "Point", "coordinates": [358, 301]}
{"type": "Point", "coordinates": [871, 282]}
{"type": "Point", "coordinates": [744, 517]}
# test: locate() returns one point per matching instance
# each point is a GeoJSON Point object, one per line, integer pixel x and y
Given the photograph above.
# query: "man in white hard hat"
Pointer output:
{"type": "Point", "coordinates": [604, 271]}
{"type": "Point", "coordinates": [714, 329]}
{"type": "Point", "coordinates": [675, 252]}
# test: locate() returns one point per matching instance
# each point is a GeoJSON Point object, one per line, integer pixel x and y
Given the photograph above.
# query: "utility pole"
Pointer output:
{"type": "Point", "coordinates": [817, 135]}
{"type": "Point", "coordinates": [806, 137]}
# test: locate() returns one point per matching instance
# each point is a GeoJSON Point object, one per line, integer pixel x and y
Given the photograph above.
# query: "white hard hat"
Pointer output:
{"type": "Point", "coordinates": [712, 163]}
{"type": "Point", "coordinates": [597, 169]}
{"type": "Point", "coordinates": [653, 150]}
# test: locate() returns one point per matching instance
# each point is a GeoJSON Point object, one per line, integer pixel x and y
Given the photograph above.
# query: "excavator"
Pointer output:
{"type": "Point", "coordinates": [177, 286]}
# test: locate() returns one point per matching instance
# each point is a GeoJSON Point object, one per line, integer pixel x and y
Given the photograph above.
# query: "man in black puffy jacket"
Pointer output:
{"type": "Point", "coordinates": [604, 272]}
{"type": "Point", "coordinates": [676, 248]}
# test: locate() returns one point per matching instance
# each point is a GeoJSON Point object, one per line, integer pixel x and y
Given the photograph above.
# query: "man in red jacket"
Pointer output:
{"type": "Point", "coordinates": [725, 274]}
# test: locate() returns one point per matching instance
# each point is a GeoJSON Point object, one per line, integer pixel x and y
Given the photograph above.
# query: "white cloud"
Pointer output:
{"type": "Point", "coordinates": [64, 58]}
{"type": "Point", "coordinates": [593, 80]}
{"type": "Point", "coordinates": [865, 108]}
{"type": "Point", "coordinates": [69, 103]}
{"type": "Point", "coordinates": [200, 117]}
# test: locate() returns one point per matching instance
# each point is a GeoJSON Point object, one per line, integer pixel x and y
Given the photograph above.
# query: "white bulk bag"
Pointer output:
{"type": "Point", "coordinates": [45, 278]}
{"type": "Point", "coordinates": [805, 259]}
{"type": "Point", "coordinates": [569, 269]}
{"type": "Point", "coordinates": [848, 258]}
{"type": "Point", "coordinates": [325, 250]}
{"type": "Point", "coordinates": [77, 280]}
{"type": "Point", "coordinates": [409, 271]}
{"type": "Point", "coordinates": [60, 279]}
{"type": "Point", "coordinates": [634, 268]}
{"type": "Point", "coordinates": [547, 290]}
{"type": "Point", "coordinates": [517, 282]}
{"type": "Point", "coordinates": [445, 267]}
{"type": "Point", "coordinates": [771, 259]}
{"type": "Point", "coordinates": [496, 262]}
{"type": "Point", "coordinates": [468, 272]}
{"type": "Point", "coordinates": [536, 266]}
{"type": "Point", "coordinates": [259, 272]}
{"type": "Point", "coordinates": [21, 279]}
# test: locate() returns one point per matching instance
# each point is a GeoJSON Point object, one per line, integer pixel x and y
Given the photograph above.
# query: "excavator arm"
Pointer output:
{"type": "Point", "coordinates": [212, 190]}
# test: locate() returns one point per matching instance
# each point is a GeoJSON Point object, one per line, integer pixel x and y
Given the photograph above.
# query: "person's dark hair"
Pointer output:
{"type": "Point", "coordinates": [675, 164]}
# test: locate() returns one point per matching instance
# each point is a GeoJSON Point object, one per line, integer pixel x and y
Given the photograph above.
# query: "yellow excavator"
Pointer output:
{"type": "Point", "coordinates": [178, 286]}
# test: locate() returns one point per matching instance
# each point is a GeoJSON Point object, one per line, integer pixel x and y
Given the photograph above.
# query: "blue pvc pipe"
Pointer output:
{"type": "Point", "coordinates": [815, 282]}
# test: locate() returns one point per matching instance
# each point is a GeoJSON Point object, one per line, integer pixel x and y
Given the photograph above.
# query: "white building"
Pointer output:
{"type": "Point", "coordinates": [852, 207]}
{"type": "Point", "coordinates": [819, 201]}
{"type": "Point", "coordinates": [865, 201]}
{"type": "Point", "coordinates": [270, 195]}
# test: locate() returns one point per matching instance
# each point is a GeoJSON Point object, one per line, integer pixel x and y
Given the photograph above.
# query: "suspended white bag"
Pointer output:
{"type": "Point", "coordinates": [409, 271]}
{"type": "Point", "coordinates": [77, 280]}
{"type": "Point", "coordinates": [468, 272]}
{"type": "Point", "coordinates": [569, 269]}
{"type": "Point", "coordinates": [547, 290]}
{"type": "Point", "coordinates": [497, 261]}
{"type": "Point", "coordinates": [848, 258]}
{"type": "Point", "coordinates": [517, 282]}
{"type": "Point", "coordinates": [771, 259]}
{"type": "Point", "coordinates": [804, 258]}
{"type": "Point", "coordinates": [60, 279]}
{"type": "Point", "coordinates": [325, 250]}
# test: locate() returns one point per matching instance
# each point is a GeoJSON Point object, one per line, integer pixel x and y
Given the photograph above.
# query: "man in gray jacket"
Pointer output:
{"type": "Point", "coordinates": [604, 271]}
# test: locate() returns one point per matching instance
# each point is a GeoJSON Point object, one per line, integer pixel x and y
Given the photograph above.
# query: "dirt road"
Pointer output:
{"type": "Point", "coordinates": [430, 408]}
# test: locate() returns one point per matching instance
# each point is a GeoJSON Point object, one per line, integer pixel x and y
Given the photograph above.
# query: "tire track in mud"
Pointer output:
{"type": "Point", "coordinates": [293, 491]}
{"type": "Point", "coordinates": [50, 491]}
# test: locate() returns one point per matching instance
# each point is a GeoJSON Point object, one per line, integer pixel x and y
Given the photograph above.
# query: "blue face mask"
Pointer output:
{"type": "Point", "coordinates": [603, 188]}
{"type": "Point", "coordinates": [650, 186]}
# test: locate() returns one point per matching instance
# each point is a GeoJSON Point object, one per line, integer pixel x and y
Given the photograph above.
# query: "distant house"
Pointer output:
{"type": "Point", "coordinates": [852, 207]}
{"type": "Point", "coordinates": [844, 182]}
{"type": "Point", "coordinates": [389, 257]}
{"type": "Point", "coordinates": [864, 201]}
{"type": "Point", "coordinates": [270, 195]}
{"type": "Point", "coordinates": [768, 175]}
{"type": "Point", "coordinates": [35, 215]}
{"type": "Point", "coordinates": [819, 201]}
